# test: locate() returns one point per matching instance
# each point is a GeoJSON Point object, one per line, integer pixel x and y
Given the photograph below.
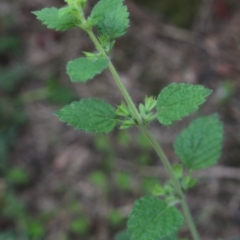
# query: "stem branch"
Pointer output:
{"type": "Point", "coordinates": [149, 136]}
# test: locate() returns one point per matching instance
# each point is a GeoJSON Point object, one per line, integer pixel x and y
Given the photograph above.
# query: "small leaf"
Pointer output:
{"type": "Point", "coordinates": [91, 115]}
{"type": "Point", "coordinates": [178, 100]}
{"type": "Point", "coordinates": [178, 170]}
{"type": "Point", "coordinates": [158, 190]}
{"type": "Point", "coordinates": [199, 145]}
{"type": "Point", "coordinates": [122, 110]}
{"type": "Point", "coordinates": [150, 103]}
{"type": "Point", "coordinates": [127, 124]}
{"type": "Point", "coordinates": [83, 69]}
{"type": "Point", "coordinates": [142, 109]}
{"type": "Point", "coordinates": [153, 219]}
{"type": "Point", "coordinates": [150, 117]}
{"type": "Point", "coordinates": [55, 19]}
{"type": "Point", "coordinates": [91, 55]}
{"type": "Point", "coordinates": [111, 18]}
{"type": "Point", "coordinates": [188, 182]}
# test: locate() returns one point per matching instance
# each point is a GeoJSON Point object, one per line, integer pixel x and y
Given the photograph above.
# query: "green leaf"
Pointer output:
{"type": "Point", "coordinates": [178, 170]}
{"type": "Point", "coordinates": [153, 219]}
{"type": "Point", "coordinates": [150, 103]}
{"type": "Point", "coordinates": [188, 182]}
{"type": "Point", "coordinates": [83, 69]}
{"type": "Point", "coordinates": [199, 145]}
{"type": "Point", "coordinates": [122, 110]}
{"type": "Point", "coordinates": [103, 7]}
{"type": "Point", "coordinates": [158, 190]}
{"type": "Point", "coordinates": [91, 115]}
{"type": "Point", "coordinates": [55, 19]}
{"type": "Point", "coordinates": [171, 237]}
{"type": "Point", "coordinates": [65, 10]}
{"type": "Point", "coordinates": [111, 18]}
{"type": "Point", "coordinates": [114, 24]}
{"type": "Point", "coordinates": [178, 100]}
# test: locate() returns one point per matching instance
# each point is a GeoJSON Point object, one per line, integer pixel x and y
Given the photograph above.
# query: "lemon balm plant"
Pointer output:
{"type": "Point", "coordinates": [153, 217]}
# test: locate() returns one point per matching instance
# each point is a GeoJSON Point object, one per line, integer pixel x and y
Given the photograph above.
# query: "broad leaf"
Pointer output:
{"type": "Point", "coordinates": [83, 69]}
{"type": "Point", "coordinates": [55, 19]}
{"type": "Point", "coordinates": [114, 24]}
{"type": "Point", "coordinates": [178, 100]}
{"type": "Point", "coordinates": [91, 115]}
{"type": "Point", "coordinates": [153, 219]}
{"type": "Point", "coordinates": [111, 18]}
{"type": "Point", "coordinates": [104, 7]}
{"type": "Point", "coordinates": [199, 145]}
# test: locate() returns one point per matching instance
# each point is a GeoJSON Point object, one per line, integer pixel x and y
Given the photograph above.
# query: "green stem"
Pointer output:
{"type": "Point", "coordinates": [150, 138]}
{"type": "Point", "coordinates": [116, 78]}
{"type": "Point", "coordinates": [176, 183]}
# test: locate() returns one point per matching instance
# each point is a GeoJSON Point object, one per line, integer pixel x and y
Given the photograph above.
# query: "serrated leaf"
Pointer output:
{"type": "Point", "coordinates": [91, 115]}
{"type": "Point", "coordinates": [199, 145]}
{"type": "Point", "coordinates": [150, 103]}
{"type": "Point", "coordinates": [103, 7]}
{"type": "Point", "coordinates": [114, 24]}
{"type": "Point", "coordinates": [55, 19]}
{"type": "Point", "coordinates": [153, 219]}
{"type": "Point", "coordinates": [83, 69]}
{"type": "Point", "coordinates": [178, 100]}
{"type": "Point", "coordinates": [65, 10]}
{"type": "Point", "coordinates": [111, 18]}
{"type": "Point", "coordinates": [122, 110]}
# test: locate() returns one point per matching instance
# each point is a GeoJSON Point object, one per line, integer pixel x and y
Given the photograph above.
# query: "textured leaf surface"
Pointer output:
{"type": "Point", "coordinates": [55, 20]}
{"type": "Point", "coordinates": [91, 115]}
{"type": "Point", "coordinates": [199, 145]}
{"type": "Point", "coordinates": [103, 7]}
{"type": "Point", "coordinates": [152, 219]}
{"type": "Point", "coordinates": [172, 237]}
{"type": "Point", "coordinates": [111, 18]}
{"type": "Point", "coordinates": [83, 69]}
{"type": "Point", "coordinates": [178, 100]}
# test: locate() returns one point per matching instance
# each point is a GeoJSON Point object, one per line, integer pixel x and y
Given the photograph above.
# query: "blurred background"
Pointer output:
{"type": "Point", "coordinates": [60, 184]}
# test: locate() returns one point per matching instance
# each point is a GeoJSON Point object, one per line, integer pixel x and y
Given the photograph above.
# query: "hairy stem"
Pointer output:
{"type": "Point", "coordinates": [150, 138]}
